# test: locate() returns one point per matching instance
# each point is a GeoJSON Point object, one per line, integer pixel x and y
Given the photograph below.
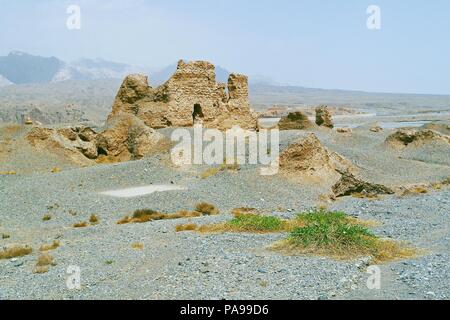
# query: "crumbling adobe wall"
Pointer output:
{"type": "Point", "coordinates": [190, 95]}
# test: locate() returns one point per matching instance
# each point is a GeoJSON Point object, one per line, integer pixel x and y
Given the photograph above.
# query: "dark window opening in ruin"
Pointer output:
{"type": "Point", "coordinates": [102, 151]}
{"type": "Point", "coordinates": [198, 113]}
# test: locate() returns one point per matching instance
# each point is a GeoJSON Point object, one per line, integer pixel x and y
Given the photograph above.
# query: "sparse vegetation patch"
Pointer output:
{"type": "Point", "coordinates": [335, 235]}
{"type": "Point", "coordinates": [206, 208]}
{"type": "Point", "coordinates": [44, 262]}
{"type": "Point", "coordinates": [138, 246]}
{"type": "Point", "coordinates": [93, 219]}
{"type": "Point", "coordinates": [222, 168]}
{"type": "Point", "coordinates": [256, 223]}
{"type": "Point", "coordinates": [8, 173]}
{"type": "Point", "coordinates": [246, 220]}
{"type": "Point", "coordinates": [15, 251]}
{"type": "Point", "coordinates": [82, 224]}
{"type": "Point", "coordinates": [148, 215]}
{"type": "Point", "coordinates": [48, 247]}
{"type": "Point", "coordinates": [186, 227]}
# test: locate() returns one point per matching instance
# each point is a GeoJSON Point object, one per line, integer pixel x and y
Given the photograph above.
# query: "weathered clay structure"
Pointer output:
{"type": "Point", "coordinates": [126, 138]}
{"type": "Point", "coordinates": [323, 117]}
{"type": "Point", "coordinates": [416, 137]}
{"type": "Point", "coordinates": [308, 160]}
{"type": "Point", "coordinates": [191, 95]}
{"type": "Point", "coordinates": [295, 121]}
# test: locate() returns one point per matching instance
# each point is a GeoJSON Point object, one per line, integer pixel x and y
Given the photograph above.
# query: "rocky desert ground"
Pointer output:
{"type": "Point", "coordinates": [64, 192]}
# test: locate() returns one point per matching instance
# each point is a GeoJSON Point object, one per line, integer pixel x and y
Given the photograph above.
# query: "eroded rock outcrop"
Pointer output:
{"type": "Point", "coordinates": [440, 127]}
{"type": "Point", "coordinates": [295, 121]}
{"type": "Point", "coordinates": [344, 130]}
{"type": "Point", "coordinates": [66, 142]}
{"type": "Point", "coordinates": [128, 138]}
{"type": "Point", "coordinates": [349, 185]}
{"type": "Point", "coordinates": [376, 129]}
{"type": "Point", "coordinates": [323, 117]}
{"type": "Point", "coordinates": [416, 137]}
{"type": "Point", "coordinates": [308, 160]}
{"type": "Point", "coordinates": [190, 96]}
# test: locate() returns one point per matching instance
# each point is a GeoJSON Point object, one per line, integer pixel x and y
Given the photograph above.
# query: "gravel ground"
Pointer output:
{"type": "Point", "coordinates": [227, 266]}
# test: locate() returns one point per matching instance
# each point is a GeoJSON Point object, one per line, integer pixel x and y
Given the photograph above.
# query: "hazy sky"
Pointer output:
{"type": "Point", "coordinates": [312, 43]}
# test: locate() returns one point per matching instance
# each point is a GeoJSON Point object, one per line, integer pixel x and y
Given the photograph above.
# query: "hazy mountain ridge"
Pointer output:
{"type": "Point", "coordinates": [23, 68]}
{"type": "Point", "coordinates": [4, 82]}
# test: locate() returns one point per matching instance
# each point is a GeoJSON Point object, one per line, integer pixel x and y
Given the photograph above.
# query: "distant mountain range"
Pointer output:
{"type": "Point", "coordinates": [4, 81]}
{"type": "Point", "coordinates": [23, 68]}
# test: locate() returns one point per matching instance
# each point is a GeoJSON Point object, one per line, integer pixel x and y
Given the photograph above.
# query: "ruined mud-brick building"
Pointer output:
{"type": "Point", "coordinates": [190, 96]}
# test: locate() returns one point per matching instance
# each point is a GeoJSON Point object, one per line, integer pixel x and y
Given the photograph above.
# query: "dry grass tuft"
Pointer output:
{"type": "Point", "coordinates": [419, 190]}
{"type": "Point", "coordinates": [142, 216]}
{"type": "Point", "coordinates": [186, 227]}
{"type": "Point", "coordinates": [206, 208]}
{"type": "Point", "coordinates": [183, 214]}
{"type": "Point", "coordinates": [15, 251]}
{"type": "Point", "coordinates": [44, 262]}
{"type": "Point", "coordinates": [104, 159]}
{"type": "Point", "coordinates": [147, 215]}
{"type": "Point", "coordinates": [216, 170]}
{"type": "Point", "coordinates": [138, 246]}
{"type": "Point", "coordinates": [55, 170]}
{"type": "Point", "coordinates": [124, 220]}
{"type": "Point", "coordinates": [40, 270]}
{"type": "Point", "coordinates": [413, 190]}
{"type": "Point", "coordinates": [81, 225]}
{"type": "Point", "coordinates": [243, 211]}
{"type": "Point", "coordinates": [8, 173]}
{"type": "Point", "coordinates": [437, 186]}
{"type": "Point", "coordinates": [45, 259]}
{"type": "Point", "coordinates": [388, 250]}
{"type": "Point", "coordinates": [48, 247]}
{"type": "Point", "coordinates": [93, 219]}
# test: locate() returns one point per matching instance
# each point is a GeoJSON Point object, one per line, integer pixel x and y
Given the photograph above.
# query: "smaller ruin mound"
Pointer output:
{"type": "Point", "coordinates": [349, 185]}
{"type": "Point", "coordinates": [344, 130]}
{"type": "Point", "coordinates": [416, 137]}
{"type": "Point", "coordinates": [323, 117]}
{"type": "Point", "coordinates": [376, 129]}
{"type": "Point", "coordinates": [440, 127]}
{"type": "Point", "coordinates": [309, 160]}
{"type": "Point", "coordinates": [295, 121]}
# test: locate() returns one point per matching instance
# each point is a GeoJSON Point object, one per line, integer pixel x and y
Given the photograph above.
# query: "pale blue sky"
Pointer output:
{"type": "Point", "coordinates": [312, 43]}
